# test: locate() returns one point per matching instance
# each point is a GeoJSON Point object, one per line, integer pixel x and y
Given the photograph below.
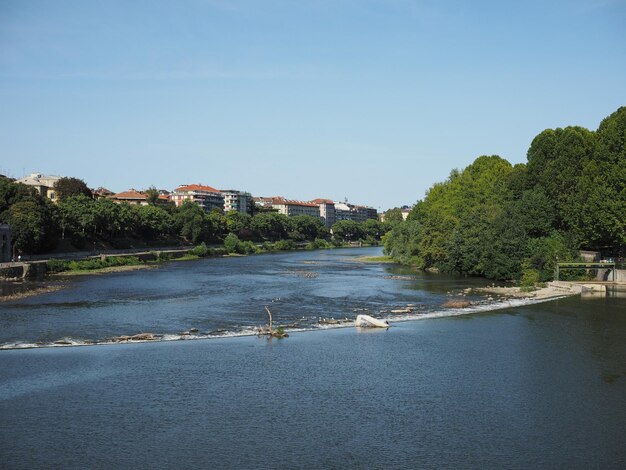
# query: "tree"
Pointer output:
{"type": "Point", "coordinates": [190, 223]}
{"type": "Point", "coordinates": [33, 226]}
{"type": "Point", "coordinates": [231, 243]}
{"type": "Point", "coordinates": [77, 215]}
{"type": "Point", "coordinates": [68, 186]}
{"type": "Point", "coordinates": [394, 216]}
{"type": "Point", "coordinates": [270, 226]}
{"type": "Point", "coordinates": [348, 230]}
{"type": "Point", "coordinates": [239, 224]}
{"type": "Point", "coordinates": [556, 159]}
{"type": "Point", "coordinates": [305, 227]}
{"type": "Point", "coordinates": [11, 192]}
{"type": "Point", "coordinates": [153, 222]}
{"type": "Point", "coordinates": [153, 195]}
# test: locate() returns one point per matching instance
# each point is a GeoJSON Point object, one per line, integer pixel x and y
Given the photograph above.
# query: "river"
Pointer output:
{"type": "Point", "coordinates": [503, 384]}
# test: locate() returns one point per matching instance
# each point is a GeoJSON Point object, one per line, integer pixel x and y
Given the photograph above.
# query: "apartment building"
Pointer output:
{"type": "Point", "coordinates": [326, 211]}
{"type": "Point", "coordinates": [346, 211]}
{"type": "Point", "coordinates": [236, 200]}
{"type": "Point", "coordinates": [291, 208]}
{"type": "Point", "coordinates": [205, 196]}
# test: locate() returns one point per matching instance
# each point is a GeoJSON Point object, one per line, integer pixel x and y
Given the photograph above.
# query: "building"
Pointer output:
{"type": "Point", "coordinates": [43, 184]}
{"type": "Point", "coordinates": [264, 202]}
{"type": "Point", "coordinates": [236, 200]}
{"type": "Point", "coordinates": [363, 213]}
{"type": "Point", "coordinates": [291, 208]}
{"type": "Point", "coordinates": [205, 196]}
{"type": "Point", "coordinates": [132, 197]}
{"type": "Point", "coordinates": [137, 198]}
{"type": "Point", "coordinates": [326, 211]}
{"type": "Point", "coordinates": [346, 211]}
{"type": "Point", "coordinates": [101, 192]}
{"type": "Point", "coordinates": [5, 243]}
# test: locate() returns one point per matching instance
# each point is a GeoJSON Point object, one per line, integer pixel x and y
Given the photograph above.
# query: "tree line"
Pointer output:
{"type": "Point", "coordinates": [506, 221]}
{"type": "Point", "coordinates": [39, 225]}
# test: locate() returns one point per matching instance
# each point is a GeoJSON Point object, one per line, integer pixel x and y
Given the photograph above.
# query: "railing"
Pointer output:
{"type": "Point", "coordinates": [582, 265]}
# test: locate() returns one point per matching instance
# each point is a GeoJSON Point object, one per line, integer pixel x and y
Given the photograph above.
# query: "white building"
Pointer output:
{"type": "Point", "coordinates": [205, 196]}
{"type": "Point", "coordinates": [236, 200]}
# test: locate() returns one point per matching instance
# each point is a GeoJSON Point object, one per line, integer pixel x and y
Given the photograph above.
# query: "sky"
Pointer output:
{"type": "Point", "coordinates": [369, 100]}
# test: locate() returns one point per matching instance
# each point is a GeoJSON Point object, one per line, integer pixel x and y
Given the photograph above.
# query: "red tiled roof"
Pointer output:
{"type": "Point", "coordinates": [322, 201]}
{"type": "Point", "coordinates": [301, 203]}
{"type": "Point", "coordinates": [131, 194]}
{"type": "Point", "coordinates": [196, 187]}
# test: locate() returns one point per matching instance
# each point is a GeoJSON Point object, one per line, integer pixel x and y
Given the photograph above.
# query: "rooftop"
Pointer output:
{"type": "Point", "coordinates": [196, 187]}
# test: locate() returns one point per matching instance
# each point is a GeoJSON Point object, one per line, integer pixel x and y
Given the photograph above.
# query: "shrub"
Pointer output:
{"type": "Point", "coordinates": [247, 248]}
{"type": "Point", "coordinates": [530, 277]}
{"type": "Point", "coordinates": [318, 244]}
{"type": "Point", "coordinates": [201, 250]}
{"type": "Point", "coordinates": [284, 245]}
{"type": "Point", "coordinates": [231, 243]}
{"type": "Point", "coordinates": [56, 265]}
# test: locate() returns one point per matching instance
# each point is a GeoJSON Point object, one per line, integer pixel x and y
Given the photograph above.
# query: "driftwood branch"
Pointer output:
{"type": "Point", "coordinates": [270, 327]}
{"type": "Point", "coordinates": [279, 333]}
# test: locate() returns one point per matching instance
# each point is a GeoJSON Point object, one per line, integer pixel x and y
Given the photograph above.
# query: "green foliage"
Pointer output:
{"type": "Point", "coordinates": [305, 227]}
{"type": "Point", "coordinates": [231, 243]}
{"type": "Point", "coordinates": [284, 245]}
{"type": "Point", "coordinates": [319, 244]}
{"type": "Point", "coordinates": [11, 192]}
{"type": "Point", "coordinates": [504, 222]}
{"type": "Point", "coordinates": [530, 277]}
{"type": "Point", "coordinates": [394, 216]}
{"type": "Point", "coordinates": [98, 263]}
{"type": "Point", "coordinates": [348, 230]}
{"type": "Point", "coordinates": [201, 250]}
{"type": "Point", "coordinates": [68, 186]}
{"type": "Point", "coordinates": [153, 195]}
{"type": "Point", "coordinates": [33, 225]}
{"type": "Point", "coordinates": [56, 266]}
{"type": "Point", "coordinates": [270, 226]}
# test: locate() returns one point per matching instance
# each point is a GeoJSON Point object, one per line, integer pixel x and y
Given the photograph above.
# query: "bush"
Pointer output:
{"type": "Point", "coordinates": [56, 266]}
{"type": "Point", "coordinates": [247, 248]}
{"type": "Point", "coordinates": [284, 245]}
{"type": "Point", "coordinates": [319, 244]}
{"type": "Point", "coordinates": [530, 277]}
{"type": "Point", "coordinates": [201, 250]}
{"type": "Point", "coordinates": [231, 243]}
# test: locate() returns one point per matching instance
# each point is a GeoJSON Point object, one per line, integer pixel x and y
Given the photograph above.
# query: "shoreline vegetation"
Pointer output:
{"type": "Point", "coordinates": [506, 221]}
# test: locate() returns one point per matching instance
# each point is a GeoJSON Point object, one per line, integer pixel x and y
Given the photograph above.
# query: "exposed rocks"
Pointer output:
{"type": "Point", "coordinates": [137, 337]}
{"type": "Point", "coordinates": [457, 303]}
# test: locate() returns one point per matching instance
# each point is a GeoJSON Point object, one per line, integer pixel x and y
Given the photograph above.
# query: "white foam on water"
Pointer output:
{"type": "Point", "coordinates": [256, 331]}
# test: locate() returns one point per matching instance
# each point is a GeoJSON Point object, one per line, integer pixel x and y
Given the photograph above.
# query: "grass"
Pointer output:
{"type": "Point", "coordinates": [375, 259]}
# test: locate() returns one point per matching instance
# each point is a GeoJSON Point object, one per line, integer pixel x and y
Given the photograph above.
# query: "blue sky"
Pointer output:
{"type": "Point", "coordinates": [368, 100]}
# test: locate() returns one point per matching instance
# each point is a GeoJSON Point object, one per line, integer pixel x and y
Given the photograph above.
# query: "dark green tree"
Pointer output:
{"type": "Point", "coordinates": [69, 186]}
